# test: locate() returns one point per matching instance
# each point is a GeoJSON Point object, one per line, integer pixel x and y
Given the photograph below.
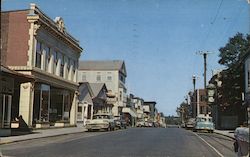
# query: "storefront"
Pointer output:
{"type": "Point", "coordinates": [9, 98]}
{"type": "Point", "coordinates": [51, 105]}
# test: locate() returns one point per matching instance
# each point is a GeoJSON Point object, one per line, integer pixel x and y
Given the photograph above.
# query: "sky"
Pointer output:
{"type": "Point", "coordinates": [159, 40]}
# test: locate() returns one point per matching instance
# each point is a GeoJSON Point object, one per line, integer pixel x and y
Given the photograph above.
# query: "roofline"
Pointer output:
{"type": "Point", "coordinates": [73, 41]}
{"type": "Point", "coordinates": [18, 10]}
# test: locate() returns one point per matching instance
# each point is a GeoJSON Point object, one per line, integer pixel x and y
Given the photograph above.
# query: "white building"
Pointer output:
{"type": "Point", "coordinates": [113, 74]}
{"type": "Point", "coordinates": [139, 107]}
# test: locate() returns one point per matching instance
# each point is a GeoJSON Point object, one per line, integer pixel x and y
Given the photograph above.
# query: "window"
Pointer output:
{"type": "Point", "coordinates": [109, 78]}
{"type": "Point", "coordinates": [120, 95]}
{"type": "Point", "coordinates": [122, 78]}
{"type": "Point", "coordinates": [67, 69]}
{"type": "Point", "coordinates": [60, 57]}
{"type": "Point", "coordinates": [84, 77]}
{"type": "Point", "coordinates": [38, 54]}
{"type": "Point", "coordinates": [48, 56]}
{"type": "Point", "coordinates": [98, 78]}
{"type": "Point", "coordinates": [72, 63]}
{"type": "Point", "coordinates": [55, 62]}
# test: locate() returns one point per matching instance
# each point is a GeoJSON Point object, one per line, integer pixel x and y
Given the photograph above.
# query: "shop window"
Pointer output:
{"type": "Point", "coordinates": [38, 54]}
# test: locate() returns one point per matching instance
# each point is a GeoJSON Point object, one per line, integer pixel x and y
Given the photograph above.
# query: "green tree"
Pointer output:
{"type": "Point", "coordinates": [231, 56]}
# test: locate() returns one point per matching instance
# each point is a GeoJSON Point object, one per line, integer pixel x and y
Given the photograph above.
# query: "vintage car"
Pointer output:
{"type": "Point", "coordinates": [101, 121]}
{"type": "Point", "coordinates": [190, 123]}
{"type": "Point", "coordinates": [140, 123]}
{"type": "Point", "coordinates": [120, 123]}
{"type": "Point", "coordinates": [204, 123]}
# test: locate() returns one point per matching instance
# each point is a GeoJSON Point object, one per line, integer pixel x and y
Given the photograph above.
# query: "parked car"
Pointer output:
{"type": "Point", "coordinates": [190, 123]}
{"type": "Point", "coordinates": [140, 123]}
{"type": "Point", "coordinates": [101, 121]}
{"type": "Point", "coordinates": [204, 123]}
{"type": "Point", "coordinates": [120, 123]}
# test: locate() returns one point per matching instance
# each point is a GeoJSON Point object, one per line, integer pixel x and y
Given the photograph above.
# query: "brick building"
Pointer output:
{"type": "Point", "coordinates": [35, 45]}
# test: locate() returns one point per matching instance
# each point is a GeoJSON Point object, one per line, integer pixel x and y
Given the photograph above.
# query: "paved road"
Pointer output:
{"type": "Point", "coordinates": [133, 142]}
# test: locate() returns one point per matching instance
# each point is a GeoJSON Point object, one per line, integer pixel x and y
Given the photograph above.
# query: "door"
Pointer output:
{"type": "Point", "coordinates": [6, 111]}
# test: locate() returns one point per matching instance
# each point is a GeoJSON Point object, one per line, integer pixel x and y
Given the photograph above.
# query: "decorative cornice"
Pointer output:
{"type": "Point", "coordinates": [56, 28]}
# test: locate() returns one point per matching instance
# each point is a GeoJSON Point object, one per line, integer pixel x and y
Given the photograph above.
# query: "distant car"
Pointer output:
{"type": "Point", "coordinates": [140, 123]}
{"type": "Point", "coordinates": [150, 124]}
{"type": "Point", "coordinates": [120, 123]}
{"type": "Point", "coordinates": [101, 121]}
{"type": "Point", "coordinates": [190, 123]}
{"type": "Point", "coordinates": [204, 123]}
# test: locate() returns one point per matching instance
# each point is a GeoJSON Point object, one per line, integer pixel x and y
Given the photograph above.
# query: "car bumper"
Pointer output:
{"type": "Point", "coordinates": [97, 126]}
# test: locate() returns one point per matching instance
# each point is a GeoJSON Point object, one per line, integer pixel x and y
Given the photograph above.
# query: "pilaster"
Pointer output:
{"type": "Point", "coordinates": [26, 102]}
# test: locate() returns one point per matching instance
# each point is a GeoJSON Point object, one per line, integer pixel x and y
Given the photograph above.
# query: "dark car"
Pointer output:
{"type": "Point", "coordinates": [120, 123]}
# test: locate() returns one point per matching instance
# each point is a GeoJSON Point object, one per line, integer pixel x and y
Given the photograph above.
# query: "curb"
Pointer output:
{"type": "Point", "coordinates": [224, 135]}
{"type": "Point", "coordinates": [13, 141]}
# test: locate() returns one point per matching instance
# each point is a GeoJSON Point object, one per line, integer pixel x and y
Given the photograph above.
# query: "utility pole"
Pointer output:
{"type": "Point", "coordinates": [197, 96]}
{"type": "Point", "coordinates": [205, 65]}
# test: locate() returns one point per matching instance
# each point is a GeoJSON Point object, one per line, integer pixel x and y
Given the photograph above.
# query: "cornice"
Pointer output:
{"type": "Point", "coordinates": [39, 18]}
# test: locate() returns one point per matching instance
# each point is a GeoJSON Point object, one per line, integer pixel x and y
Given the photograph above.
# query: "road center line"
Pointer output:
{"type": "Point", "coordinates": [210, 145]}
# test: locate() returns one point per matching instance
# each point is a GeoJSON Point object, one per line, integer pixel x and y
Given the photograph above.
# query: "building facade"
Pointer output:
{"type": "Point", "coordinates": [199, 103]}
{"type": "Point", "coordinates": [113, 74]}
{"type": "Point", "coordinates": [149, 111]}
{"type": "Point", "coordinates": [43, 49]}
{"type": "Point", "coordinates": [139, 108]}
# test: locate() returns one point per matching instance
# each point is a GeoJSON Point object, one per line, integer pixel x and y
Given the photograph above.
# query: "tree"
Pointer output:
{"type": "Point", "coordinates": [231, 56]}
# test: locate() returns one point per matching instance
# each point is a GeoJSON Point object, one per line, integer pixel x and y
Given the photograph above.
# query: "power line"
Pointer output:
{"type": "Point", "coordinates": [212, 23]}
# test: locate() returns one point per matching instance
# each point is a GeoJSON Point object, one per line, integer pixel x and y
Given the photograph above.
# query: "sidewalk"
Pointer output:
{"type": "Point", "coordinates": [228, 133]}
{"type": "Point", "coordinates": [41, 134]}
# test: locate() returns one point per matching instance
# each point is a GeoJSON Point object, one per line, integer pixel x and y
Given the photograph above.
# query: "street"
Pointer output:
{"type": "Point", "coordinates": [132, 142]}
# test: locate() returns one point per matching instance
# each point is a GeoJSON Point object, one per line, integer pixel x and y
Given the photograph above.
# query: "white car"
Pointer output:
{"type": "Point", "coordinates": [101, 121]}
{"type": "Point", "coordinates": [140, 123]}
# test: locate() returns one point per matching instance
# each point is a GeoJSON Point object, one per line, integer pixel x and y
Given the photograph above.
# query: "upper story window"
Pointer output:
{"type": "Point", "coordinates": [38, 54]}
{"type": "Point", "coordinates": [120, 95]}
{"type": "Point", "coordinates": [122, 78]}
{"type": "Point", "coordinates": [60, 57]}
{"type": "Point", "coordinates": [66, 63]}
{"type": "Point", "coordinates": [98, 77]}
{"type": "Point", "coordinates": [84, 76]}
{"type": "Point", "coordinates": [55, 61]}
{"type": "Point", "coordinates": [48, 57]}
{"type": "Point", "coordinates": [109, 78]}
{"type": "Point", "coordinates": [72, 63]}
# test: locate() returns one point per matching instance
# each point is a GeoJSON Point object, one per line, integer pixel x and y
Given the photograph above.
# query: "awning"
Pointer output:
{"type": "Point", "coordinates": [129, 111]}
{"type": "Point", "coordinates": [16, 75]}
